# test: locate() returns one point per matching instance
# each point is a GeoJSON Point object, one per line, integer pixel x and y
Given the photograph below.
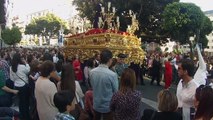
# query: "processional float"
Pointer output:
{"type": "Point", "coordinates": [93, 41]}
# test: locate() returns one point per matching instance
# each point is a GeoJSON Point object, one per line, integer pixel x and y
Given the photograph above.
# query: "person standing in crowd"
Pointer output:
{"type": "Point", "coordinates": [55, 56]}
{"type": "Point", "coordinates": [167, 108]}
{"type": "Point", "coordinates": [186, 87]}
{"type": "Point", "coordinates": [90, 64]}
{"type": "Point", "coordinates": [45, 91]}
{"type": "Point", "coordinates": [112, 67]}
{"type": "Point", "coordinates": [5, 66]}
{"type": "Point", "coordinates": [77, 68]}
{"type": "Point", "coordinates": [163, 58]}
{"type": "Point", "coordinates": [33, 76]}
{"type": "Point", "coordinates": [138, 72]}
{"type": "Point", "coordinates": [64, 101]}
{"type": "Point", "coordinates": [68, 82]}
{"type": "Point", "coordinates": [6, 84]}
{"type": "Point", "coordinates": [120, 65]}
{"type": "Point", "coordinates": [167, 73]}
{"type": "Point", "coordinates": [125, 103]}
{"type": "Point", "coordinates": [5, 98]}
{"type": "Point", "coordinates": [156, 70]}
{"type": "Point", "coordinates": [47, 55]}
{"type": "Point", "coordinates": [89, 103]}
{"type": "Point", "coordinates": [97, 59]}
{"type": "Point", "coordinates": [19, 74]}
{"type": "Point", "coordinates": [203, 103]}
{"type": "Point", "coordinates": [104, 83]}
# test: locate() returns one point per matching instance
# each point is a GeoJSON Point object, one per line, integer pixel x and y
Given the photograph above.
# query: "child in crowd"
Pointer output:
{"type": "Point", "coordinates": [63, 100]}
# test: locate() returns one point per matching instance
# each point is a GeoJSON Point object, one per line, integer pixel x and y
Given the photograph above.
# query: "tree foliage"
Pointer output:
{"type": "Point", "coordinates": [48, 25]}
{"type": "Point", "coordinates": [182, 20]}
{"type": "Point", "coordinates": [148, 14]}
{"type": "Point", "coordinates": [11, 36]}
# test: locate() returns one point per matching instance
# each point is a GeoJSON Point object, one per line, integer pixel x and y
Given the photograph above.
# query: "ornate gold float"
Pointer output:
{"type": "Point", "coordinates": [95, 40]}
{"type": "Point", "coordinates": [87, 44]}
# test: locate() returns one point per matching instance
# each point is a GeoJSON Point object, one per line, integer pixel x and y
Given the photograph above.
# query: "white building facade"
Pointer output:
{"type": "Point", "coordinates": [209, 50]}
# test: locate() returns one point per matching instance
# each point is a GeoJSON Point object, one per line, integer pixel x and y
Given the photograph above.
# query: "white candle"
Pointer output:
{"type": "Point", "coordinates": [113, 9]}
{"type": "Point", "coordinates": [118, 24]}
{"type": "Point", "coordinates": [130, 12]}
{"type": "Point", "coordinates": [102, 9]}
{"type": "Point", "coordinates": [109, 4]}
{"type": "Point", "coordinates": [99, 19]}
{"type": "Point", "coordinates": [117, 19]}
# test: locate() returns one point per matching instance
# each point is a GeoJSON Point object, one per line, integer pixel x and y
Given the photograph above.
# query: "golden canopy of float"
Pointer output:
{"type": "Point", "coordinates": [87, 44]}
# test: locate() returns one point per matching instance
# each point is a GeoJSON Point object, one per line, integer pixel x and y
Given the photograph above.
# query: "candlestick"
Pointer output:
{"type": "Point", "coordinates": [99, 19]}
{"type": "Point", "coordinates": [113, 9]}
{"type": "Point", "coordinates": [102, 9]}
{"type": "Point", "coordinates": [109, 5]}
{"type": "Point", "coordinates": [117, 19]}
{"type": "Point", "coordinates": [130, 12]}
{"type": "Point", "coordinates": [118, 24]}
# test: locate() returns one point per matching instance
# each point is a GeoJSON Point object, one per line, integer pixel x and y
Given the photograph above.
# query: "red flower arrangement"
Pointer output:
{"type": "Point", "coordinates": [99, 31]}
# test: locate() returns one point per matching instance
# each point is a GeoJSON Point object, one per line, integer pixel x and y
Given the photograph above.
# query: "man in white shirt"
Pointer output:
{"type": "Point", "coordinates": [186, 87]}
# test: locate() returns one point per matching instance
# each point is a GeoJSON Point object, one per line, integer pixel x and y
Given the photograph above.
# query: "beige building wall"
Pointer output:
{"type": "Point", "coordinates": [209, 50]}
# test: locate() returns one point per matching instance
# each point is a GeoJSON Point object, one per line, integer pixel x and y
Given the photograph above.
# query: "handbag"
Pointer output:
{"type": "Point", "coordinates": [79, 113]}
{"type": "Point", "coordinates": [83, 114]}
{"type": "Point", "coordinates": [153, 115]}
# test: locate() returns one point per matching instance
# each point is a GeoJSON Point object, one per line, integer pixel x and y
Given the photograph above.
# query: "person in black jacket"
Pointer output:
{"type": "Point", "coordinates": [156, 66]}
{"type": "Point", "coordinates": [47, 55]}
{"type": "Point", "coordinates": [167, 107]}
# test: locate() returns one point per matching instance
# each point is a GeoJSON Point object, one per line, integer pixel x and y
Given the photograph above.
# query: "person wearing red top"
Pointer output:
{"type": "Point", "coordinates": [77, 68]}
{"type": "Point", "coordinates": [89, 103]}
{"type": "Point", "coordinates": [168, 74]}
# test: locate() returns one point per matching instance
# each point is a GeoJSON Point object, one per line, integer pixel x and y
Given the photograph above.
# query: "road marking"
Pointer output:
{"type": "Point", "coordinates": [151, 103]}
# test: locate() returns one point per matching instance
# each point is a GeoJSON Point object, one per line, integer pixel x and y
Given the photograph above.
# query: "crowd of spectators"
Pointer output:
{"type": "Point", "coordinates": [49, 86]}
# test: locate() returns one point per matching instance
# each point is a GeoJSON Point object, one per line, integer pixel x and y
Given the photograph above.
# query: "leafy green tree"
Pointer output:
{"type": "Point", "coordinates": [206, 29]}
{"type": "Point", "coordinates": [11, 36]}
{"type": "Point", "coordinates": [148, 14]}
{"type": "Point", "coordinates": [182, 20]}
{"type": "Point", "coordinates": [47, 26]}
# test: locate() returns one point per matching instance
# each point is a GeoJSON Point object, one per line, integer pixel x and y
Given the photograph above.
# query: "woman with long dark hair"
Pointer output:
{"type": "Point", "coordinates": [68, 82]}
{"type": "Point", "coordinates": [19, 74]}
{"type": "Point", "coordinates": [204, 103]}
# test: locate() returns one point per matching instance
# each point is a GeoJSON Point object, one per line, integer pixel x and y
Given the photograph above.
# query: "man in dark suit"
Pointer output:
{"type": "Point", "coordinates": [97, 59]}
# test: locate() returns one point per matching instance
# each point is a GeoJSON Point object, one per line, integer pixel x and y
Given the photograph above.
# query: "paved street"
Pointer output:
{"type": "Point", "coordinates": [149, 92]}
